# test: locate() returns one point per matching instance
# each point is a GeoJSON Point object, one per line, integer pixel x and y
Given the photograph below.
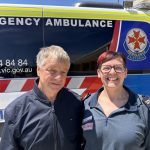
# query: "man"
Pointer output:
{"type": "Point", "coordinates": [48, 117]}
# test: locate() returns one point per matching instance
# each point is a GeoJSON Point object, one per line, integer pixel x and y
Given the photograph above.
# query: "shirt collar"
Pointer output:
{"type": "Point", "coordinates": [132, 104]}
{"type": "Point", "coordinates": [133, 101]}
{"type": "Point", "coordinates": [94, 98]}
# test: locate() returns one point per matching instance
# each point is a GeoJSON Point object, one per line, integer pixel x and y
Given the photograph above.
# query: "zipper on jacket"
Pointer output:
{"type": "Point", "coordinates": [54, 127]}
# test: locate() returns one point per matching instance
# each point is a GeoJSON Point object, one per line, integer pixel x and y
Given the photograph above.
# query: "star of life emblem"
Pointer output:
{"type": "Point", "coordinates": [136, 44]}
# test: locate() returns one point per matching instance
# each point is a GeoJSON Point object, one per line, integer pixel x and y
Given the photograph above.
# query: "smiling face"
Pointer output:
{"type": "Point", "coordinates": [52, 76]}
{"type": "Point", "coordinates": [112, 73]}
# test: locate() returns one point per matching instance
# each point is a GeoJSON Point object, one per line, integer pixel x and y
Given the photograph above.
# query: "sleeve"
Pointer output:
{"type": "Point", "coordinates": [82, 137]}
{"type": "Point", "coordinates": [148, 141]}
{"type": "Point", "coordinates": [8, 141]}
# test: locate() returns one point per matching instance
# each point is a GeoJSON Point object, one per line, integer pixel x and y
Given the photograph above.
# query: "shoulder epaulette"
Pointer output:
{"type": "Point", "coordinates": [146, 100]}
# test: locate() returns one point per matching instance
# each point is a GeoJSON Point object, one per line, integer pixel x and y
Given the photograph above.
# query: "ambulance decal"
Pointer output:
{"type": "Point", "coordinates": [136, 44]}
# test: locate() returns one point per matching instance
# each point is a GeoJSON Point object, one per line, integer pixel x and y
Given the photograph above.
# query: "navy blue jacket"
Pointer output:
{"type": "Point", "coordinates": [33, 123]}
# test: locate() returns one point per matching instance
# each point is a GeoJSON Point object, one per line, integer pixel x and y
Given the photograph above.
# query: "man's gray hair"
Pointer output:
{"type": "Point", "coordinates": [52, 52]}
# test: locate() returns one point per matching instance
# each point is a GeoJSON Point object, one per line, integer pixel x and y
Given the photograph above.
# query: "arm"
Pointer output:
{"type": "Point", "coordinates": [8, 141]}
{"type": "Point", "coordinates": [146, 100]}
{"type": "Point", "coordinates": [148, 141]}
{"type": "Point", "coordinates": [82, 137]}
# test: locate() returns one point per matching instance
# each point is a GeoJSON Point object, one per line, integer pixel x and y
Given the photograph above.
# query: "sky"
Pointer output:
{"type": "Point", "coordinates": [55, 2]}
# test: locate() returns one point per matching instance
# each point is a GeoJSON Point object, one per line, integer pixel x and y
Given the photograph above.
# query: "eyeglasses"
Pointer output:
{"type": "Point", "coordinates": [117, 68]}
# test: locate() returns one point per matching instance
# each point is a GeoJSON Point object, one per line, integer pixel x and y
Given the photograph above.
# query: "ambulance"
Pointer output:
{"type": "Point", "coordinates": [84, 32]}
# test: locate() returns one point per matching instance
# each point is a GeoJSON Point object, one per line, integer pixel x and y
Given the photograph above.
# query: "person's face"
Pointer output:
{"type": "Point", "coordinates": [112, 73]}
{"type": "Point", "coordinates": [52, 76]}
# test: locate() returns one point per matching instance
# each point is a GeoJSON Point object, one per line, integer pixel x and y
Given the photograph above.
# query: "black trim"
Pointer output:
{"type": "Point", "coordinates": [99, 5]}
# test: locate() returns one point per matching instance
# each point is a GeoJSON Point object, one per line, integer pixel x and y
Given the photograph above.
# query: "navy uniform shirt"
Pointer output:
{"type": "Point", "coordinates": [124, 129]}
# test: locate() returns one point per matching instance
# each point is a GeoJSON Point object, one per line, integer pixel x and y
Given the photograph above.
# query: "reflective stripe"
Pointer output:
{"type": "Point", "coordinates": [12, 88]}
{"type": "Point", "coordinates": [16, 85]}
{"type": "Point", "coordinates": [20, 11]}
{"type": "Point", "coordinates": [75, 82]}
{"type": "Point", "coordinates": [72, 12]}
{"type": "Point", "coordinates": [97, 14]}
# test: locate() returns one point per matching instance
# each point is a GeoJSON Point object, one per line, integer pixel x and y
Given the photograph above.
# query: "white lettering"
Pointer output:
{"type": "Point", "coordinates": [88, 24]}
{"type": "Point", "coordinates": [36, 20]}
{"type": "Point", "coordinates": [109, 24]}
{"type": "Point", "coordinates": [57, 22]}
{"type": "Point", "coordinates": [103, 23]}
{"type": "Point", "coordinates": [11, 21]}
{"type": "Point", "coordinates": [2, 21]}
{"type": "Point", "coordinates": [48, 22]}
{"type": "Point", "coordinates": [95, 23]}
{"type": "Point", "coordinates": [19, 21]}
{"type": "Point", "coordinates": [66, 22]}
{"type": "Point", "coordinates": [79, 23]}
{"type": "Point", "coordinates": [73, 23]}
{"type": "Point", "coordinates": [28, 21]}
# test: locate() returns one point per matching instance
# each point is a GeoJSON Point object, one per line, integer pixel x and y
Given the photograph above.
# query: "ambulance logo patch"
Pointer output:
{"type": "Point", "coordinates": [87, 126]}
{"type": "Point", "coordinates": [136, 44]}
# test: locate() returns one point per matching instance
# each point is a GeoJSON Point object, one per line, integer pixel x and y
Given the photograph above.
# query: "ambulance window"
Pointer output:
{"type": "Point", "coordinates": [83, 39]}
{"type": "Point", "coordinates": [99, 5]}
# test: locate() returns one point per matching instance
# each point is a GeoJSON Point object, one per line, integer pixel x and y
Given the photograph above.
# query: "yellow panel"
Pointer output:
{"type": "Point", "coordinates": [96, 14]}
{"type": "Point", "coordinates": [20, 11]}
{"type": "Point", "coordinates": [64, 12]}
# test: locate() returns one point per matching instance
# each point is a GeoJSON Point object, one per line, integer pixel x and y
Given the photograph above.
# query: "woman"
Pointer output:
{"type": "Point", "coordinates": [115, 118]}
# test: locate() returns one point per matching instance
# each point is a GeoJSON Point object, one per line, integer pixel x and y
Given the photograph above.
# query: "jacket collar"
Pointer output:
{"type": "Point", "coordinates": [39, 94]}
{"type": "Point", "coordinates": [132, 104]}
{"type": "Point", "coordinates": [42, 97]}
